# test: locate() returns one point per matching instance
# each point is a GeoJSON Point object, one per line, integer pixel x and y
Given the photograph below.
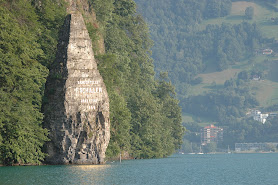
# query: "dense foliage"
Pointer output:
{"type": "Point", "coordinates": [231, 102]}
{"type": "Point", "coordinates": [249, 12]}
{"type": "Point", "coordinates": [27, 45]}
{"type": "Point", "coordinates": [145, 116]}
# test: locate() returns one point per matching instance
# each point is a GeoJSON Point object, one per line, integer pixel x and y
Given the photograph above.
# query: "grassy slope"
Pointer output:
{"type": "Point", "coordinates": [266, 90]}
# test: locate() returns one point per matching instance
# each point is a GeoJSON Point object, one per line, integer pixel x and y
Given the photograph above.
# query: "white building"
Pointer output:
{"type": "Point", "coordinates": [267, 51]}
{"type": "Point", "coordinates": [258, 116]}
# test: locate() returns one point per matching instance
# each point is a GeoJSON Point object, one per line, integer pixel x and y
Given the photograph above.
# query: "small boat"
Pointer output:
{"type": "Point", "coordinates": [228, 151]}
{"type": "Point", "coordinates": [200, 152]}
{"type": "Point", "coordinates": [191, 150]}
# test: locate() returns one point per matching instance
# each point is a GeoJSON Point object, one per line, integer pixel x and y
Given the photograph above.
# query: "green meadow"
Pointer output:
{"type": "Point", "coordinates": [266, 90]}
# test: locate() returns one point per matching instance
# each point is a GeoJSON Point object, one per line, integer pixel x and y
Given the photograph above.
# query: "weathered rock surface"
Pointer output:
{"type": "Point", "coordinates": [77, 108]}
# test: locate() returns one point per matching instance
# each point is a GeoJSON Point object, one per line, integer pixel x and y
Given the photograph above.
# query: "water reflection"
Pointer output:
{"type": "Point", "coordinates": [72, 174]}
{"type": "Point", "coordinates": [90, 167]}
{"type": "Point", "coordinates": [88, 174]}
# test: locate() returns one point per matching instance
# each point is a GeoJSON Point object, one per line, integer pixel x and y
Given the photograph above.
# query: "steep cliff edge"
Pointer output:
{"type": "Point", "coordinates": [77, 112]}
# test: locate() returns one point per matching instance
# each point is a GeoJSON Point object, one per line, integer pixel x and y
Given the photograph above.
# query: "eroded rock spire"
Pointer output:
{"type": "Point", "coordinates": [77, 108]}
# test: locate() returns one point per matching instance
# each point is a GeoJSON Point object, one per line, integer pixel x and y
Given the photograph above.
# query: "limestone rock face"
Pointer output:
{"type": "Point", "coordinates": [77, 108]}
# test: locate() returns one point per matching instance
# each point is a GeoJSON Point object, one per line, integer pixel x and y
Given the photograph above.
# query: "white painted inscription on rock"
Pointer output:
{"type": "Point", "coordinates": [87, 92]}
{"type": "Point", "coordinates": [89, 100]}
{"type": "Point", "coordinates": [88, 81]}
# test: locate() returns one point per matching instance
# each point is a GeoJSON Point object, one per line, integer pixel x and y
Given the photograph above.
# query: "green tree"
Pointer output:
{"type": "Point", "coordinates": [22, 79]}
{"type": "Point", "coordinates": [249, 12]}
{"type": "Point", "coordinates": [155, 118]}
{"type": "Point", "coordinates": [120, 115]}
{"type": "Point", "coordinates": [210, 147]}
{"type": "Point", "coordinates": [103, 9]}
{"type": "Point", "coordinates": [28, 37]}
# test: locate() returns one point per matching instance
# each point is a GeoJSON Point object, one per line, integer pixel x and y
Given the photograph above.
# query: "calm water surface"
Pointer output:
{"type": "Point", "coordinates": [178, 169]}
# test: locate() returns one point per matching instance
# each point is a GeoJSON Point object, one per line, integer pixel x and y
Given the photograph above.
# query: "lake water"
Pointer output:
{"type": "Point", "coordinates": [178, 169]}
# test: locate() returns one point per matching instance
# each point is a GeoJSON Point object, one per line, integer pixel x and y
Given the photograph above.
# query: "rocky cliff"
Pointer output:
{"type": "Point", "coordinates": [77, 108]}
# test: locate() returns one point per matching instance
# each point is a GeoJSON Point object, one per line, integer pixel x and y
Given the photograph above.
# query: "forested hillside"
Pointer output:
{"type": "Point", "coordinates": [145, 116]}
{"type": "Point", "coordinates": [214, 54]}
{"type": "Point", "coordinates": [184, 48]}
{"type": "Point", "coordinates": [28, 39]}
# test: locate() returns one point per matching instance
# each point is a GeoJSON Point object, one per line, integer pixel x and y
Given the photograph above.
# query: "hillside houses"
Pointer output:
{"type": "Point", "coordinates": [256, 77]}
{"type": "Point", "coordinates": [245, 147]}
{"type": "Point", "coordinates": [258, 116]}
{"type": "Point", "coordinates": [267, 51]}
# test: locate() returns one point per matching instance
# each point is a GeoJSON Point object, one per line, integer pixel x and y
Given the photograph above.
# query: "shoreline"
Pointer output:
{"type": "Point", "coordinates": [44, 164]}
{"type": "Point", "coordinates": [232, 152]}
{"type": "Point", "coordinates": [112, 160]}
